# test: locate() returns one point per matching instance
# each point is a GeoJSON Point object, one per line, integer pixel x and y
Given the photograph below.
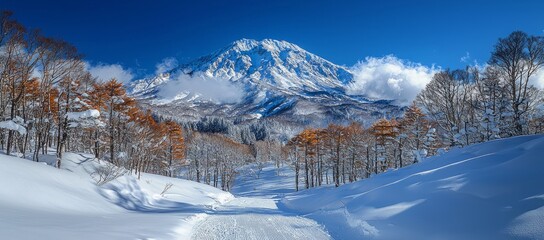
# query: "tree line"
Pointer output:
{"type": "Point", "coordinates": [457, 108]}
{"type": "Point", "coordinates": [340, 154]}
{"type": "Point", "coordinates": [50, 103]}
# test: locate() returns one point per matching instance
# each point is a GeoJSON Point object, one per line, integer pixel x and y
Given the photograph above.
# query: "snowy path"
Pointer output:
{"type": "Point", "coordinates": [255, 218]}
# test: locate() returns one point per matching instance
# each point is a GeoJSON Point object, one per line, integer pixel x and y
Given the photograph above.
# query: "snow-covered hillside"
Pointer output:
{"type": "Point", "coordinates": [251, 79]}
{"type": "Point", "coordinates": [38, 201]}
{"type": "Point", "coordinates": [493, 190]}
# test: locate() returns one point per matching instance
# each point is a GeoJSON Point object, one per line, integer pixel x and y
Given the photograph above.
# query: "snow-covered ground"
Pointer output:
{"type": "Point", "coordinates": [41, 202]}
{"type": "Point", "coordinates": [493, 190]}
{"type": "Point", "coordinates": [254, 213]}
{"type": "Point", "coordinates": [270, 182]}
{"type": "Point", "coordinates": [256, 219]}
{"type": "Point", "coordinates": [38, 201]}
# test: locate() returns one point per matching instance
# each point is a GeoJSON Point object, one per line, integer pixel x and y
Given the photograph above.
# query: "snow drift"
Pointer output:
{"type": "Point", "coordinates": [492, 190]}
{"type": "Point", "coordinates": [38, 201]}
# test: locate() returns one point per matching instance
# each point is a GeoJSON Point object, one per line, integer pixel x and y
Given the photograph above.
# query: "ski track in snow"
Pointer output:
{"type": "Point", "coordinates": [255, 218]}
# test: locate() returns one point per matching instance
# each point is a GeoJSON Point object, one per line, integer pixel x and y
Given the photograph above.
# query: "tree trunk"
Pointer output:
{"type": "Point", "coordinates": [306, 168]}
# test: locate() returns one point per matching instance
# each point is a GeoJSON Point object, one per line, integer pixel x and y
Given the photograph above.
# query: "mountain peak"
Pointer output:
{"type": "Point", "coordinates": [267, 44]}
{"type": "Point", "coordinates": [272, 63]}
{"type": "Point", "coordinates": [244, 44]}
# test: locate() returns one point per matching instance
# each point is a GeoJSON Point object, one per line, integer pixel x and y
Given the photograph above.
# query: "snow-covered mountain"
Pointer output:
{"type": "Point", "coordinates": [267, 78]}
{"type": "Point", "coordinates": [272, 64]}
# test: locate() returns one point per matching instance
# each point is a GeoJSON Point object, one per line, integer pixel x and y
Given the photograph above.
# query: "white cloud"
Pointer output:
{"type": "Point", "coordinates": [538, 79]}
{"type": "Point", "coordinates": [105, 72]}
{"type": "Point", "coordinates": [390, 78]}
{"type": "Point", "coordinates": [165, 65]}
{"type": "Point", "coordinates": [215, 89]}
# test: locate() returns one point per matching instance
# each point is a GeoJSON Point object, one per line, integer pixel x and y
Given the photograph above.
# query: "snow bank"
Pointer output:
{"type": "Point", "coordinates": [76, 116]}
{"type": "Point", "coordinates": [38, 201]}
{"type": "Point", "coordinates": [11, 125]}
{"type": "Point", "coordinates": [492, 190]}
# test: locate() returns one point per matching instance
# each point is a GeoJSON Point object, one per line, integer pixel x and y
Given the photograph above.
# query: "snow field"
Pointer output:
{"type": "Point", "coordinates": [38, 201]}
{"type": "Point", "coordinates": [491, 190]}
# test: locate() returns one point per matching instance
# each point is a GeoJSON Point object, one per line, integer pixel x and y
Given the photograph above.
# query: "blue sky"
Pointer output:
{"type": "Point", "coordinates": [139, 34]}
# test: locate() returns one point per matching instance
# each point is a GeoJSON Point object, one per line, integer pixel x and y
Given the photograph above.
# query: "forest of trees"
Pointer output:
{"type": "Point", "coordinates": [50, 104]}
{"type": "Point", "coordinates": [339, 154]}
{"type": "Point", "coordinates": [457, 108]}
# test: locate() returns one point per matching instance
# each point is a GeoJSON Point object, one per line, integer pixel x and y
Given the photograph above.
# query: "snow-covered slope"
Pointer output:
{"type": "Point", "coordinates": [38, 201]}
{"type": "Point", "coordinates": [271, 77]}
{"type": "Point", "coordinates": [493, 190]}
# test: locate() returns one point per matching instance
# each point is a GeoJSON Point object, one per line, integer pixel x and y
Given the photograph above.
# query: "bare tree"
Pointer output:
{"type": "Point", "coordinates": [445, 101]}
{"type": "Point", "coordinates": [518, 57]}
